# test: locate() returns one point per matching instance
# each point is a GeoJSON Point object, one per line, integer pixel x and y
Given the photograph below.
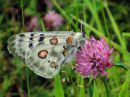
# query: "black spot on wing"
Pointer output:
{"type": "Point", "coordinates": [31, 38]}
{"type": "Point", "coordinates": [41, 34]}
{"type": "Point", "coordinates": [32, 34]}
{"type": "Point", "coordinates": [30, 45]}
{"type": "Point", "coordinates": [41, 38]}
{"type": "Point", "coordinates": [21, 35]}
{"type": "Point", "coordinates": [20, 40]}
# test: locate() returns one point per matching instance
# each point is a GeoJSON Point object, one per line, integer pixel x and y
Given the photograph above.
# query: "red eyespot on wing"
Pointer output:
{"type": "Point", "coordinates": [54, 41]}
{"type": "Point", "coordinates": [43, 54]}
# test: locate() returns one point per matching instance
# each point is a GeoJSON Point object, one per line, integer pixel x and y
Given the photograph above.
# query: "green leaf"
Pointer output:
{"type": "Point", "coordinates": [121, 65]}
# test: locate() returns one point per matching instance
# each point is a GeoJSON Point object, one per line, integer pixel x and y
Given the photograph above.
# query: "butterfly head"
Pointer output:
{"type": "Point", "coordinates": [79, 39]}
{"type": "Point", "coordinates": [83, 34]}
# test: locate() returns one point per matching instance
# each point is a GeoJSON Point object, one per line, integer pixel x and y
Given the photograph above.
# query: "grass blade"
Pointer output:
{"type": "Point", "coordinates": [27, 77]}
{"type": "Point", "coordinates": [64, 14]}
{"type": "Point", "coordinates": [121, 65]}
{"type": "Point", "coordinates": [82, 90]}
{"type": "Point", "coordinates": [27, 70]}
{"type": "Point", "coordinates": [43, 26]}
{"type": "Point", "coordinates": [22, 13]}
{"type": "Point", "coordinates": [59, 92]}
{"type": "Point", "coordinates": [91, 88]}
{"type": "Point", "coordinates": [124, 91]}
{"type": "Point", "coordinates": [126, 34]}
{"type": "Point", "coordinates": [92, 8]}
{"type": "Point", "coordinates": [106, 86]}
{"type": "Point", "coordinates": [115, 27]}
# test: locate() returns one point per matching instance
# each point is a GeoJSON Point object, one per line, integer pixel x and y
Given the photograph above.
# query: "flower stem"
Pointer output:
{"type": "Point", "coordinates": [106, 87]}
{"type": "Point", "coordinates": [91, 88]}
{"type": "Point", "coordinates": [22, 13]}
{"type": "Point", "coordinates": [27, 77]}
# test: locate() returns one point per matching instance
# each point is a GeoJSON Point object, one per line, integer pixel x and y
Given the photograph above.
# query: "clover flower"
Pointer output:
{"type": "Point", "coordinates": [94, 58]}
{"type": "Point", "coordinates": [52, 20]}
{"type": "Point", "coordinates": [32, 24]}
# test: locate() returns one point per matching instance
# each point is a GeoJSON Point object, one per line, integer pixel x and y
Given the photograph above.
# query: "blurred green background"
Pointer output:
{"type": "Point", "coordinates": [101, 18]}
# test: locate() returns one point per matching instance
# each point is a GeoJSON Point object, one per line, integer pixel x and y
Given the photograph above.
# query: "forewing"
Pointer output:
{"type": "Point", "coordinates": [20, 44]}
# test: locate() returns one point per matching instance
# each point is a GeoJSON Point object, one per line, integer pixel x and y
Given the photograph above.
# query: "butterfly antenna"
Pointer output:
{"type": "Point", "coordinates": [82, 29]}
{"type": "Point", "coordinates": [81, 26]}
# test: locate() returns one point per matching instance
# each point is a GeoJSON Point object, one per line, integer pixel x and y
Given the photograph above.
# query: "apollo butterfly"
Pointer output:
{"type": "Point", "coordinates": [45, 52]}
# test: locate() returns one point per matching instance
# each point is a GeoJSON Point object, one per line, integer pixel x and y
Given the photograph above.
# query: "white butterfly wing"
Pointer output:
{"type": "Point", "coordinates": [21, 43]}
{"type": "Point", "coordinates": [43, 52]}
{"type": "Point", "coordinates": [48, 66]}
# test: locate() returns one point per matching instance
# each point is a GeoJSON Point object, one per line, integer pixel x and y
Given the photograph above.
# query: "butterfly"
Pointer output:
{"type": "Point", "coordinates": [45, 52]}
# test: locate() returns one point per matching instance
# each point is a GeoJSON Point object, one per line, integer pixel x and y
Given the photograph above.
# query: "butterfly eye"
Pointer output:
{"type": "Point", "coordinates": [83, 34]}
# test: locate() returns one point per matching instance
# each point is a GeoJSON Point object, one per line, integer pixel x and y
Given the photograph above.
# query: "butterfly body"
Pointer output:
{"type": "Point", "coordinates": [45, 52]}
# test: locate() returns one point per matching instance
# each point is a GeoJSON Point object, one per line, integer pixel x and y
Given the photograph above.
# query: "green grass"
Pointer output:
{"type": "Point", "coordinates": [27, 70]}
{"type": "Point", "coordinates": [58, 90]}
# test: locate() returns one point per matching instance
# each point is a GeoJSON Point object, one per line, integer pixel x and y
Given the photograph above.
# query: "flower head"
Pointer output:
{"type": "Point", "coordinates": [32, 24]}
{"type": "Point", "coordinates": [52, 20]}
{"type": "Point", "coordinates": [94, 58]}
